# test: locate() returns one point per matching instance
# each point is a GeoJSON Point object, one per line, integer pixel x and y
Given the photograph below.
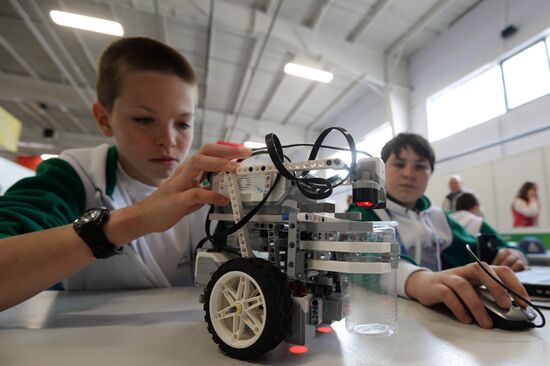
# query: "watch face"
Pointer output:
{"type": "Point", "coordinates": [90, 216]}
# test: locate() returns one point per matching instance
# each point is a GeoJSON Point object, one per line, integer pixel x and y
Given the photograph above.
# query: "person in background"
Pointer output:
{"type": "Point", "coordinates": [526, 206]}
{"type": "Point", "coordinates": [121, 216]}
{"type": "Point", "coordinates": [430, 241]}
{"type": "Point", "coordinates": [456, 187]}
{"type": "Point", "coordinates": [468, 213]}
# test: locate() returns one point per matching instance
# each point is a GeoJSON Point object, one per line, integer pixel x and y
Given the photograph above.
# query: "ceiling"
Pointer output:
{"type": "Point", "coordinates": [238, 48]}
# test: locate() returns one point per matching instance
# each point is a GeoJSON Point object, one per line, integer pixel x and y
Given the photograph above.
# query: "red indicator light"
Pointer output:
{"type": "Point", "coordinates": [365, 204]}
{"type": "Point", "coordinates": [297, 350]}
{"type": "Point", "coordinates": [324, 329]}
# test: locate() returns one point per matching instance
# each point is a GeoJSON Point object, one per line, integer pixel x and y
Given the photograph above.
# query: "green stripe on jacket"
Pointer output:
{"type": "Point", "coordinates": [54, 197]}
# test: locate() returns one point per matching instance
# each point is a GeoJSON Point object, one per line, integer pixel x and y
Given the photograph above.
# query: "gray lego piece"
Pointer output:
{"type": "Point", "coordinates": [348, 226]}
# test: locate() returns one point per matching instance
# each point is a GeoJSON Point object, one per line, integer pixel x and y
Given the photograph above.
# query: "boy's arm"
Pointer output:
{"type": "Point", "coordinates": [508, 255]}
{"type": "Point", "coordinates": [32, 262]}
{"type": "Point", "coordinates": [53, 197]}
{"type": "Point", "coordinates": [456, 255]}
{"type": "Point", "coordinates": [456, 289]}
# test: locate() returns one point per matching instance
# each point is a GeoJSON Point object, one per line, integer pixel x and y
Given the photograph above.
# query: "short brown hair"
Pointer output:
{"type": "Point", "coordinates": [137, 54]}
{"type": "Point", "coordinates": [466, 201]}
{"type": "Point", "coordinates": [419, 144]}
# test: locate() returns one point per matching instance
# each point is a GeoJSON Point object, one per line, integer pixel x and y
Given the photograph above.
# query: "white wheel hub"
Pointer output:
{"type": "Point", "coordinates": [237, 309]}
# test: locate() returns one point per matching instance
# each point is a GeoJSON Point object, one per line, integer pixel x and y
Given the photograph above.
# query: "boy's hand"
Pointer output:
{"type": "Point", "coordinates": [455, 288]}
{"type": "Point", "coordinates": [510, 258]}
{"type": "Point", "coordinates": [182, 194]}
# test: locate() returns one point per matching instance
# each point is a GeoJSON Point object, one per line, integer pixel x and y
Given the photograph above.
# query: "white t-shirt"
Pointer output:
{"type": "Point", "coordinates": [470, 221]}
{"type": "Point", "coordinates": [161, 252]}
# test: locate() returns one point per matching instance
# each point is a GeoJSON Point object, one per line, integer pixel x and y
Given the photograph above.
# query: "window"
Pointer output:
{"type": "Point", "coordinates": [475, 101]}
{"type": "Point", "coordinates": [527, 75]}
{"type": "Point", "coordinates": [375, 140]}
{"type": "Point", "coordinates": [372, 144]}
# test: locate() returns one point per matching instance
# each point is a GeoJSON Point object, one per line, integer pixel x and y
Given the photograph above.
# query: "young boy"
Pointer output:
{"type": "Point", "coordinates": [427, 235]}
{"type": "Point", "coordinates": [468, 214]}
{"type": "Point", "coordinates": [146, 101]}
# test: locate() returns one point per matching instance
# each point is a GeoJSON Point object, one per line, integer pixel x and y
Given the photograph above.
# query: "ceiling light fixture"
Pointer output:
{"type": "Point", "coordinates": [87, 23]}
{"type": "Point", "coordinates": [48, 156]}
{"type": "Point", "coordinates": [307, 72]}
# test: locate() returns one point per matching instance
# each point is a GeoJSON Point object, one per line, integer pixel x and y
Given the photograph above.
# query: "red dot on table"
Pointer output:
{"type": "Point", "coordinates": [297, 350]}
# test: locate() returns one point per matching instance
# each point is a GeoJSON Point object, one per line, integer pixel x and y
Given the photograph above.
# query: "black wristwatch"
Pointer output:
{"type": "Point", "coordinates": [89, 226]}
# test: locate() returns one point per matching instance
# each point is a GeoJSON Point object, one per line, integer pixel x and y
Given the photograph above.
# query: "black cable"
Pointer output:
{"type": "Point", "coordinates": [507, 288]}
{"type": "Point", "coordinates": [323, 146]}
{"type": "Point", "coordinates": [237, 226]}
{"type": "Point", "coordinates": [312, 187]}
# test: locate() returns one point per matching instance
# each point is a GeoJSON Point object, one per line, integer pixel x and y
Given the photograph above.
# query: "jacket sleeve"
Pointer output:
{"type": "Point", "coordinates": [501, 243]}
{"type": "Point", "coordinates": [370, 215]}
{"type": "Point", "coordinates": [53, 197]}
{"type": "Point", "coordinates": [456, 254]}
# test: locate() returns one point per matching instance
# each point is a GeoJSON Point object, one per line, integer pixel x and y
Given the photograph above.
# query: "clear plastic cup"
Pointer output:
{"type": "Point", "coordinates": [370, 300]}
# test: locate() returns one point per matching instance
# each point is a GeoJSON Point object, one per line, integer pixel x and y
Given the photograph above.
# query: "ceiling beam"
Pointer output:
{"type": "Point", "coordinates": [246, 74]}
{"type": "Point", "coordinates": [417, 27]}
{"type": "Point", "coordinates": [318, 13]}
{"type": "Point", "coordinates": [63, 140]}
{"type": "Point", "coordinates": [325, 112]}
{"type": "Point", "coordinates": [45, 116]}
{"type": "Point", "coordinates": [85, 49]}
{"type": "Point", "coordinates": [313, 85]}
{"type": "Point", "coordinates": [46, 47]}
{"type": "Point", "coordinates": [68, 57]}
{"type": "Point", "coordinates": [280, 77]}
{"type": "Point", "coordinates": [25, 88]}
{"type": "Point", "coordinates": [368, 19]}
{"type": "Point", "coordinates": [296, 38]}
{"type": "Point", "coordinates": [36, 120]}
{"type": "Point", "coordinates": [270, 28]}
{"type": "Point", "coordinates": [18, 58]}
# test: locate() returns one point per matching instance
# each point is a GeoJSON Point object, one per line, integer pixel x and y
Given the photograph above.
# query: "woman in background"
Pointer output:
{"type": "Point", "coordinates": [526, 207]}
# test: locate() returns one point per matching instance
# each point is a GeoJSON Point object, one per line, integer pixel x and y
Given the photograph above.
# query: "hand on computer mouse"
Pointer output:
{"type": "Point", "coordinates": [455, 288]}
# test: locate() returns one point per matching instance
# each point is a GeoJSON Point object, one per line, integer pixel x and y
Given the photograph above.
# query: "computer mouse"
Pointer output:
{"type": "Point", "coordinates": [514, 318]}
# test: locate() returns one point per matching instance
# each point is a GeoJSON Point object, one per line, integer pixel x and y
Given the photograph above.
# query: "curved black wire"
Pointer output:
{"type": "Point", "coordinates": [312, 187]}
{"type": "Point", "coordinates": [507, 288]}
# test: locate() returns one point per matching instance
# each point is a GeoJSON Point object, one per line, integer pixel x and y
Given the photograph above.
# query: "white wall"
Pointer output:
{"type": "Point", "coordinates": [10, 173]}
{"type": "Point", "coordinates": [496, 183]}
{"type": "Point", "coordinates": [471, 43]}
{"type": "Point", "coordinates": [494, 173]}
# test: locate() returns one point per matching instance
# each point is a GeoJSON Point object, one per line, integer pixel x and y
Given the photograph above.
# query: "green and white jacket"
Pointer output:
{"type": "Point", "coordinates": [79, 179]}
{"type": "Point", "coordinates": [430, 237]}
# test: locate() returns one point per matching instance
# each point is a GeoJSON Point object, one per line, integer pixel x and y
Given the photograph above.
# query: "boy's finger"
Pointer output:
{"type": "Point", "coordinates": [499, 294]}
{"type": "Point", "coordinates": [451, 300]}
{"type": "Point", "coordinates": [471, 300]}
{"type": "Point", "coordinates": [224, 151]}
{"type": "Point", "coordinates": [499, 257]}
{"type": "Point", "coordinates": [510, 280]}
{"type": "Point", "coordinates": [198, 164]}
{"type": "Point", "coordinates": [199, 196]}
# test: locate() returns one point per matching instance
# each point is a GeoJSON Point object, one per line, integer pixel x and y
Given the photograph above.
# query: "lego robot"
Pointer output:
{"type": "Point", "coordinates": [281, 271]}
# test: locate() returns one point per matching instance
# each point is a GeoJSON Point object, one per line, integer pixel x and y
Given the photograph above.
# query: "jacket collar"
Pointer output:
{"type": "Point", "coordinates": [422, 204]}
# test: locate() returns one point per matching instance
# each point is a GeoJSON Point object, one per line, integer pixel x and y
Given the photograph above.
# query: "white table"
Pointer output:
{"type": "Point", "coordinates": [166, 327]}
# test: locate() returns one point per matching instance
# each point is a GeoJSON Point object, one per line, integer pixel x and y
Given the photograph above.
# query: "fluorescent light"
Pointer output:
{"type": "Point", "coordinates": [87, 23]}
{"type": "Point", "coordinates": [308, 72]}
{"type": "Point", "coordinates": [253, 145]}
{"type": "Point", "coordinates": [48, 156]}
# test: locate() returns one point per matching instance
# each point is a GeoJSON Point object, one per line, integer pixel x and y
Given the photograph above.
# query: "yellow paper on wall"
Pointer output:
{"type": "Point", "coordinates": [10, 130]}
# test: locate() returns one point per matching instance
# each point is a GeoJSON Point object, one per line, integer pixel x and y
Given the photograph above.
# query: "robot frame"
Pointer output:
{"type": "Point", "coordinates": [279, 271]}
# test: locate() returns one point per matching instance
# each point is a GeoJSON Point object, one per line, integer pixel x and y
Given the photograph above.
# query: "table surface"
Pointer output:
{"type": "Point", "coordinates": [167, 327]}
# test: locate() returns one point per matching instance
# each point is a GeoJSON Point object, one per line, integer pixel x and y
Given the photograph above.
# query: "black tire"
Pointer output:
{"type": "Point", "coordinates": [274, 286]}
